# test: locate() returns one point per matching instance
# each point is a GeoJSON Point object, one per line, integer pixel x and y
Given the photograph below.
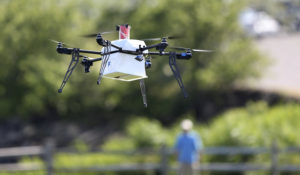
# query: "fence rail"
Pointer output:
{"type": "Point", "coordinates": [21, 151]}
{"type": "Point", "coordinates": [48, 150]}
{"type": "Point", "coordinates": [20, 167]}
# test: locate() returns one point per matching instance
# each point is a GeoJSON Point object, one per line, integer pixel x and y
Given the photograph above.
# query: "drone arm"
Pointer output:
{"type": "Point", "coordinates": [141, 49]}
{"type": "Point", "coordinates": [180, 56]}
{"type": "Point", "coordinates": [158, 53]}
{"type": "Point", "coordinates": [90, 52]}
{"type": "Point", "coordinates": [68, 51]}
{"type": "Point", "coordinates": [63, 50]}
{"type": "Point", "coordinates": [160, 46]}
{"type": "Point", "coordinates": [117, 47]}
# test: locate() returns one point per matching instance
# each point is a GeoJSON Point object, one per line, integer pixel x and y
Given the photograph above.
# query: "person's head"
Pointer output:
{"type": "Point", "coordinates": [186, 125]}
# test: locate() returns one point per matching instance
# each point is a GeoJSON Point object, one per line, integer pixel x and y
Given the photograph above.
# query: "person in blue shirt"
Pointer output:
{"type": "Point", "coordinates": [187, 146]}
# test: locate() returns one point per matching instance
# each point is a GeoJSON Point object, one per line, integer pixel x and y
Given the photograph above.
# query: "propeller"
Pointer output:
{"type": "Point", "coordinates": [187, 49]}
{"type": "Point", "coordinates": [91, 35]}
{"type": "Point", "coordinates": [165, 37]}
{"type": "Point", "coordinates": [59, 42]}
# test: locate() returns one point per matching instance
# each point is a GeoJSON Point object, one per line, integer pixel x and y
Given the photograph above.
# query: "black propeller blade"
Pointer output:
{"type": "Point", "coordinates": [187, 49]}
{"type": "Point", "coordinates": [91, 35]}
{"type": "Point", "coordinates": [59, 42]}
{"type": "Point", "coordinates": [166, 37]}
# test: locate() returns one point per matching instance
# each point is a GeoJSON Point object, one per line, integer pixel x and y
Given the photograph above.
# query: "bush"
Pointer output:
{"type": "Point", "coordinates": [146, 133]}
{"type": "Point", "coordinates": [256, 125]}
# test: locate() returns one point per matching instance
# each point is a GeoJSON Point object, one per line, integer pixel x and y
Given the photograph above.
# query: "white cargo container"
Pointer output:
{"type": "Point", "coordinates": [125, 67]}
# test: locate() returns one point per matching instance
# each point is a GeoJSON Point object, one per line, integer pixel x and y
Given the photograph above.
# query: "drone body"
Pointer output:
{"type": "Point", "coordinates": [125, 59]}
{"type": "Point", "coordinates": [126, 67]}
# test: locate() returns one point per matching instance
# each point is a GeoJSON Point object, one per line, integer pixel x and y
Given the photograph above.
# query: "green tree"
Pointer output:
{"type": "Point", "coordinates": [206, 25]}
{"type": "Point", "coordinates": [27, 72]}
{"type": "Point", "coordinates": [256, 125]}
{"type": "Point", "coordinates": [31, 70]}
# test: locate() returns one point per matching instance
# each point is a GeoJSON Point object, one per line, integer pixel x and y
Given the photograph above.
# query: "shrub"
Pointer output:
{"type": "Point", "coordinates": [146, 133]}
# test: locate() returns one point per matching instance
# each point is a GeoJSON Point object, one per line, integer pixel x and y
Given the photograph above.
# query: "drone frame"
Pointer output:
{"type": "Point", "coordinates": [139, 52]}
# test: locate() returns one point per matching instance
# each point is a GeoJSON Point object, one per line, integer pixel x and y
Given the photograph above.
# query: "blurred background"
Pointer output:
{"type": "Point", "coordinates": [245, 94]}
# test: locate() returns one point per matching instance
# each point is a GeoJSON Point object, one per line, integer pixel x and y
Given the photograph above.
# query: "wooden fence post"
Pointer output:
{"type": "Point", "coordinates": [274, 155]}
{"type": "Point", "coordinates": [164, 160]}
{"type": "Point", "coordinates": [48, 153]}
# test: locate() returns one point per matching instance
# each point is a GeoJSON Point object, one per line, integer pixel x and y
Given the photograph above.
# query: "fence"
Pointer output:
{"type": "Point", "coordinates": [163, 167]}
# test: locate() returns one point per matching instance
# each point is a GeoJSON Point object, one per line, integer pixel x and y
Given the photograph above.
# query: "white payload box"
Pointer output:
{"type": "Point", "coordinates": [125, 67]}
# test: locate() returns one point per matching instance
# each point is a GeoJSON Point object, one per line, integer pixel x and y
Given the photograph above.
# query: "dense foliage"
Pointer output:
{"type": "Point", "coordinates": [256, 125]}
{"type": "Point", "coordinates": [31, 70]}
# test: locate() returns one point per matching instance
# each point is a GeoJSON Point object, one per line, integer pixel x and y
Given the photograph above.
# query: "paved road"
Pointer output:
{"type": "Point", "coordinates": [283, 75]}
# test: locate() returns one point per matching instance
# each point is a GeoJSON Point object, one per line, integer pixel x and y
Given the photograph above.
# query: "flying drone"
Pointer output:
{"type": "Point", "coordinates": [125, 59]}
